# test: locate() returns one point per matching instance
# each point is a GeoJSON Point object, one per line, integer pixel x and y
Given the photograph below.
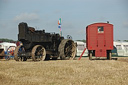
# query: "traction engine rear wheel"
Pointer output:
{"type": "Point", "coordinates": [38, 53]}
{"type": "Point", "coordinates": [67, 49]}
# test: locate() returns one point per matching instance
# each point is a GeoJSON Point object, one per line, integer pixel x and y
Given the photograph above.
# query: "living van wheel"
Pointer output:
{"type": "Point", "coordinates": [90, 55]}
{"type": "Point", "coordinates": [38, 53]}
{"type": "Point", "coordinates": [109, 55]}
{"type": "Point", "coordinates": [67, 49]}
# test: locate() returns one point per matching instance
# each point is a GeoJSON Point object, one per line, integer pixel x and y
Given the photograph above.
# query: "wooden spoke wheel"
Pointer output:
{"type": "Point", "coordinates": [17, 56]}
{"type": "Point", "coordinates": [38, 53]}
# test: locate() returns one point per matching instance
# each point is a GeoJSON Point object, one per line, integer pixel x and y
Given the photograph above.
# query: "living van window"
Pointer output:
{"type": "Point", "coordinates": [100, 29]}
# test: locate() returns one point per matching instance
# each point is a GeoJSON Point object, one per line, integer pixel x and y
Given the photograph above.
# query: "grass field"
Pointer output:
{"type": "Point", "coordinates": [65, 72]}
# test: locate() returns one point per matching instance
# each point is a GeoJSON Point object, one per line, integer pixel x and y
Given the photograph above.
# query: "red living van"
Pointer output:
{"type": "Point", "coordinates": [99, 40]}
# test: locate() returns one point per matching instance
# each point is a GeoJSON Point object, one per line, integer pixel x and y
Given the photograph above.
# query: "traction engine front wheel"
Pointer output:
{"type": "Point", "coordinates": [38, 53]}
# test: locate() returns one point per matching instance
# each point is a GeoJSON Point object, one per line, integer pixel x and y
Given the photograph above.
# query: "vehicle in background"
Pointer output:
{"type": "Point", "coordinates": [7, 49]}
{"type": "Point", "coordinates": [80, 47]}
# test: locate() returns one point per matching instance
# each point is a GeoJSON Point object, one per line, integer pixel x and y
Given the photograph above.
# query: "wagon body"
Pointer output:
{"type": "Point", "coordinates": [99, 39]}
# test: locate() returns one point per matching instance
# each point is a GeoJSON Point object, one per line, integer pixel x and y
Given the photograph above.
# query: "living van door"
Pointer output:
{"type": "Point", "coordinates": [100, 52]}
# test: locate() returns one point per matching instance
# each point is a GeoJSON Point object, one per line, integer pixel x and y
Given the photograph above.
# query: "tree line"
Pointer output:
{"type": "Point", "coordinates": [6, 40]}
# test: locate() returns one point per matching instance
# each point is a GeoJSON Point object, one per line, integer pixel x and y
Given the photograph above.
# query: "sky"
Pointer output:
{"type": "Point", "coordinates": [76, 15]}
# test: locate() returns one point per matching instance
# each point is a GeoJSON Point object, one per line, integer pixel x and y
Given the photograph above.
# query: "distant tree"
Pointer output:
{"type": "Point", "coordinates": [118, 40]}
{"type": "Point", "coordinates": [81, 40]}
{"type": "Point", "coordinates": [125, 40]}
{"type": "Point", "coordinates": [6, 40]}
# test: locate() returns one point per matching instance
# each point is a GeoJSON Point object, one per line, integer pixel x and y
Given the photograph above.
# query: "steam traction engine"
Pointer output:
{"type": "Point", "coordinates": [99, 40]}
{"type": "Point", "coordinates": [39, 45]}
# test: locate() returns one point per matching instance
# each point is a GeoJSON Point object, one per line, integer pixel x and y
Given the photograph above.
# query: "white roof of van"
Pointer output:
{"type": "Point", "coordinates": [120, 43]}
{"type": "Point", "coordinates": [8, 44]}
{"type": "Point", "coordinates": [125, 43]}
{"type": "Point", "coordinates": [79, 42]}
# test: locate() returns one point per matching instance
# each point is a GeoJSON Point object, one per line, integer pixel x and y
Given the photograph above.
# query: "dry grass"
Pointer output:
{"type": "Point", "coordinates": [74, 72]}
